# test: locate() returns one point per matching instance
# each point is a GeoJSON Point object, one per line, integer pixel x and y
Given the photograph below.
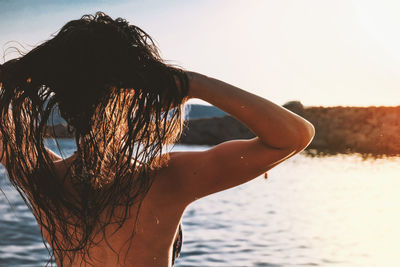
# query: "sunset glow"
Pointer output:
{"type": "Point", "coordinates": [319, 52]}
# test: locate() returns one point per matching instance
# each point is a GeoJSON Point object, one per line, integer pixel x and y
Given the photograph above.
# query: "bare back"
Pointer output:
{"type": "Point", "coordinates": [188, 176]}
{"type": "Point", "coordinates": [150, 243]}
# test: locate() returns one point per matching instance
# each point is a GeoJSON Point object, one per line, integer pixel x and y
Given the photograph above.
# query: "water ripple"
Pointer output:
{"type": "Point", "coordinates": [339, 211]}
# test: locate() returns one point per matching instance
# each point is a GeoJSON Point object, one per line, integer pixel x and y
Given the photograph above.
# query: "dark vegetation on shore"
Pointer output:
{"type": "Point", "coordinates": [366, 130]}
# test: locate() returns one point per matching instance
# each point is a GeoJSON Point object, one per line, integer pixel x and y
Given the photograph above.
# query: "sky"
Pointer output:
{"type": "Point", "coordinates": [319, 52]}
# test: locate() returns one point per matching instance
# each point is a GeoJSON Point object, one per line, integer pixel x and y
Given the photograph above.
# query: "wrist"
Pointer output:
{"type": "Point", "coordinates": [195, 80]}
{"type": "Point", "coordinates": [191, 80]}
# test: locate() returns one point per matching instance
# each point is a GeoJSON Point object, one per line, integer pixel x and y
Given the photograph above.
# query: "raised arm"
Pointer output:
{"type": "Point", "coordinates": [280, 134]}
{"type": "Point", "coordinates": [275, 126]}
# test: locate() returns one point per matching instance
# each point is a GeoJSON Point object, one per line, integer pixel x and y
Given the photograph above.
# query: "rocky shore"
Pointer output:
{"type": "Point", "coordinates": [366, 130]}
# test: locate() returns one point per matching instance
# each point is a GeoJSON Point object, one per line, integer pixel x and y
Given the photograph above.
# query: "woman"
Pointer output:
{"type": "Point", "coordinates": [118, 200]}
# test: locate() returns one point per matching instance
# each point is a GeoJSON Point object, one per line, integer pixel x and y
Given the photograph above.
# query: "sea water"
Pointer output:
{"type": "Point", "coordinates": [341, 210]}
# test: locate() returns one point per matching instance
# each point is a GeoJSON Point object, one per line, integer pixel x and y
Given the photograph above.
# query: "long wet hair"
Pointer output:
{"type": "Point", "coordinates": [122, 103]}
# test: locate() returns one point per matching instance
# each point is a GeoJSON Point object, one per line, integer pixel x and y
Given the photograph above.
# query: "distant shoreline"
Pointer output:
{"type": "Point", "coordinates": [365, 130]}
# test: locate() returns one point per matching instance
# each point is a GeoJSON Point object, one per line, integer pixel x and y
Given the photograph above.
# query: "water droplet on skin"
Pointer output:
{"type": "Point", "coordinates": [157, 221]}
{"type": "Point", "coordinates": [241, 157]}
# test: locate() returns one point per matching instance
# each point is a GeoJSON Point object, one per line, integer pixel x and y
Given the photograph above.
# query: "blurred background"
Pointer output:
{"type": "Point", "coordinates": [335, 205]}
{"type": "Point", "coordinates": [342, 52]}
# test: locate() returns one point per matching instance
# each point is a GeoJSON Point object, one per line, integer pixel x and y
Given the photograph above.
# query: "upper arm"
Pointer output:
{"type": "Point", "coordinates": [197, 174]}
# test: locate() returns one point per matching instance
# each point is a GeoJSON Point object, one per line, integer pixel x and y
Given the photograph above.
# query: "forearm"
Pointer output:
{"type": "Point", "coordinates": [274, 125]}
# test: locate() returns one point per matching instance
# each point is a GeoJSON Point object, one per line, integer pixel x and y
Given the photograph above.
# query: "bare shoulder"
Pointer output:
{"type": "Point", "coordinates": [191, 175]}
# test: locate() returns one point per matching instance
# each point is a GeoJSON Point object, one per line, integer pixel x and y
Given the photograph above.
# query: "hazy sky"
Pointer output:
{"type": "Point", "coordinates": [321, 52]}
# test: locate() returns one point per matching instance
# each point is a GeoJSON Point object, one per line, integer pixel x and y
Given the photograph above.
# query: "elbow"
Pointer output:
{"type": "Point", "coordinates": [304, 136]}
{"type": "Point", "coordinates": [295, 139]}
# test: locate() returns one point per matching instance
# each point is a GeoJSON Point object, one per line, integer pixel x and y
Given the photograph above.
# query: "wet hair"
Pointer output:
{"type": "Point", "coordinates": [122, 103]}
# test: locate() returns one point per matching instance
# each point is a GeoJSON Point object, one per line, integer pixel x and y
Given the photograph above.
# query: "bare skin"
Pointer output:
{"type": "Point", "coordinates": [193, 175]}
